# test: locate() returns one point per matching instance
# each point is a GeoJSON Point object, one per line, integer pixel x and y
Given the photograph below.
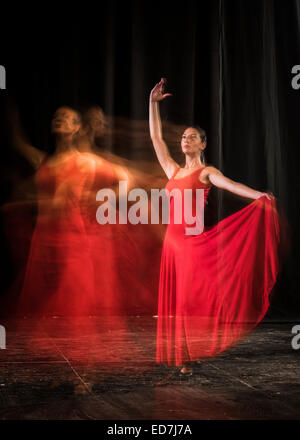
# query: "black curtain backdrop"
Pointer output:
{"type": "Point", "coordinates": [228, 65]}
{"type": "Point", "coordinates": [260, 112]}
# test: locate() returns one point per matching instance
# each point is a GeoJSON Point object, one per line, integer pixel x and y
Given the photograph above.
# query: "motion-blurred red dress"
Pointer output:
{"type": "Point", "coordinates": [69, 254]}
{"type": "Point", "coordinates": [214, 287]}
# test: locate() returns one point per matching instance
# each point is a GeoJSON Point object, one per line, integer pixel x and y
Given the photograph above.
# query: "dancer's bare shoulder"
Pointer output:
{"type": "Point", "coordinates": [207, 171]}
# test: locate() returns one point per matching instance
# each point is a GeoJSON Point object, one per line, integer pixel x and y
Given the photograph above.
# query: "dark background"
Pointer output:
{"type": "Point", "coordinates": [228, 65]}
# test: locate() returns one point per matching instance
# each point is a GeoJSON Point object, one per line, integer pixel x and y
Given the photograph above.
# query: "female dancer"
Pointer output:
{"type": "Point", "coordinates": [59, 271]}
{"type": "Point", "coordinates": [214, 287]}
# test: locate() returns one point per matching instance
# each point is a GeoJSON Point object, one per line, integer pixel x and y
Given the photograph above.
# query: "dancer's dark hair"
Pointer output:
{"type": "Point", "coordinates": [203, 137]}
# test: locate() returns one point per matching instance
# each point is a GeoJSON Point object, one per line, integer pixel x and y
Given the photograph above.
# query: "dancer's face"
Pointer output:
{"type": "Point", "coordinates": [65, 121]}
{"type": "Point", "coordinates": [96, 120]}
{"type": "Point", "coordinates": [191, 141]}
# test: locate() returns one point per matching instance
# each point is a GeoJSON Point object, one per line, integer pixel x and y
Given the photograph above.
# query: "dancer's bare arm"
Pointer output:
{"type": "Point", "coordinates": [163, 155]}
{"type": "Point", "coordinates": [18, 138]}
{"type": "Point", "coordinates": [216, 178]}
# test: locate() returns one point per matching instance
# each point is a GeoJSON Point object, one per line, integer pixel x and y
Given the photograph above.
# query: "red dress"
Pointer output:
{"type": "Point", "coordinates": [59, 277]}
{"type": "Point", "coordinates": [214, 287]}
{"type": "Point", "coordinates": [75, 265]}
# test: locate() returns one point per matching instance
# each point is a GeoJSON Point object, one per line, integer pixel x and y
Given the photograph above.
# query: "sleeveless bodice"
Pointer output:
{"type": "Point", "coordinates": [190, 203]}
{"type": "Point", "coordinates": [190, 181]}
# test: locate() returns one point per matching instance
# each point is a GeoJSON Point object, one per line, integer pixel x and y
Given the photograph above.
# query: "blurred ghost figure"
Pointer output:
{"type": "Point", "coordinates": [76, 266]}
{"type": "Point", "coordinates": [73, 261]}
{"type": "Point", "coordinates": [104, 239]}
{"type": "Point", "coordinates": [121, 250]}
{"type": "Point", "coordinates": [59, 272]}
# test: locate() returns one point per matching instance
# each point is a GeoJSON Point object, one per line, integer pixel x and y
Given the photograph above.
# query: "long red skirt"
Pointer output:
{"type": "Point", "coordinates": [215, 287]}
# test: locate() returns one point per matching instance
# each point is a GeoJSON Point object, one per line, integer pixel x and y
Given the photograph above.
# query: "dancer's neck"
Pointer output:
{"type": "Point", "coordinates": [85, 143]}
{"type": "Point", "coordinates": [64, 144]}
{"type": "Point", "coordinates": [193, 162]}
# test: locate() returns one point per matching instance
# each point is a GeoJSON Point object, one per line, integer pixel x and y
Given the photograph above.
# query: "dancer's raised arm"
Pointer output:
{"type": "Point", "coordinates": [157, 94]}
{"type": "Point", "coordinates": [18, 138]}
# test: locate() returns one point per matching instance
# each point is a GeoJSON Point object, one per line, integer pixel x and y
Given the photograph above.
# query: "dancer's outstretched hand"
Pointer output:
{"type": "Point", "coordinates": [268, 194]}
{"type": "Point", "coordinates": [157, 93]}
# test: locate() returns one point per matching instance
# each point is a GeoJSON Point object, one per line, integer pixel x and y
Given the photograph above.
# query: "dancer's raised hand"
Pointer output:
{"type": "Point", "coordinates": [18, 137]}
{"type": "Point", "coordinates": [157, 93]}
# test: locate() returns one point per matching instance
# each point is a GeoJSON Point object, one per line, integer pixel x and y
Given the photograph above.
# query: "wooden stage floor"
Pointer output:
{"type": "Point", "coordinates": [103, 368]}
